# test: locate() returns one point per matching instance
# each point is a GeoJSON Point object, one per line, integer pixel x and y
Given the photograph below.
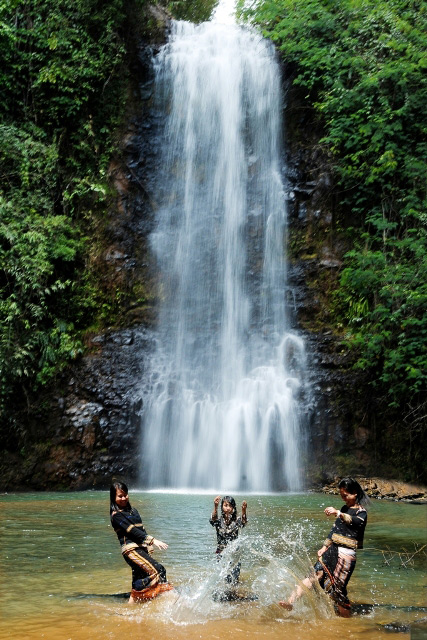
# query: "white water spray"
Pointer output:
{"type": "Point", "coordinates": [221, 407]}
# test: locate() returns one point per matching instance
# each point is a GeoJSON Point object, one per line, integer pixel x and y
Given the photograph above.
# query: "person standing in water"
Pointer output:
{"type": "Point", "coordinates": [227, 528]}
{"type": "Point", "coordinates": [337, 556]}
{"type": "Point", "coordinates": [148, 576]}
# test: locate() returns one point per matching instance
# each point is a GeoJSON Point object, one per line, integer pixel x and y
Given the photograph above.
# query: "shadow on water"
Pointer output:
{"type": "Point", "coordinates": [111, 596]}
{"type": "Point", "coordinates": [418, 630]}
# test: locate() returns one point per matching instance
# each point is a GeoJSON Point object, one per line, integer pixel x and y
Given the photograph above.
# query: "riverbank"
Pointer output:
{"type": "Point", "coordinates": [386, 490]}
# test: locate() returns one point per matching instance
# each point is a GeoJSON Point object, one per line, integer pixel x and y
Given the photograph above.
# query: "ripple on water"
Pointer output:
{"type": "Point", "coordinates": [64, 577]}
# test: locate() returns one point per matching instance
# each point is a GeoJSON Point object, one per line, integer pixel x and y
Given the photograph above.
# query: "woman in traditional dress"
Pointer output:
{"type": "Point", "coordinates": [227, 528]}
{"type": "Point", "coordinates": [337, 556]}
{"type": "Point", "coordinates": [148, 576]}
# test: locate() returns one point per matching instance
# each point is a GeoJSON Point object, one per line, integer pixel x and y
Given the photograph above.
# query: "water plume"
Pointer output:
{"type": "Point", "coordinates": [269, 571]}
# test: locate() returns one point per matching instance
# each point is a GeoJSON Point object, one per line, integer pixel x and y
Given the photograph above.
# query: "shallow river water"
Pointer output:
{"type": "Point", "coordinates": [63, 576]}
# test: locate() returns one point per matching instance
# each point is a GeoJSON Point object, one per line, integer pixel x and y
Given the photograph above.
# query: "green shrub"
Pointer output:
{"type": "Point", "coordinates": [363, 63]}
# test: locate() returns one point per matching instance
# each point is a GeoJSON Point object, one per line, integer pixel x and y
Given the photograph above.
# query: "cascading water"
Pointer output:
{"type": "Point", "coordinates": [221, 406]}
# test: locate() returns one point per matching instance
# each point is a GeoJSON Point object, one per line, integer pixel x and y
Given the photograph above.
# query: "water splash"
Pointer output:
{"type": "Point", "coordinates": [270, 569]}
{"type": "Point", "coordinates": [221, 405]}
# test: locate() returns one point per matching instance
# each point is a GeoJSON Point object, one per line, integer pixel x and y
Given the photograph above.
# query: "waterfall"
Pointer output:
{"type": "Point", "coordinates": [221, 404]}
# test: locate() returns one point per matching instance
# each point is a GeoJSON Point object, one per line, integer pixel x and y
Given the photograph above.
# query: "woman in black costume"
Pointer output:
{"type": "Point", "coordinates": [337, 557]}
{"type": "Point", "coordinates": [148, 576]}
{"type": "Point", "coordinates": [227, 529]}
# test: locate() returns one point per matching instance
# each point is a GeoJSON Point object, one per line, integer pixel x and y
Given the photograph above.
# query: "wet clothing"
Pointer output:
{"type": "Point", "coordinates": [349, 530]}
{"type": "Point", "coordinates": [336, 572]}
{"type": "Point", "coordinates": [146, 572]}
{"type": "Point", "coordinates": [136, 548]}
{"type": "Point", "coordinates": [339, 560]}
{"type": "Point", "coordinates": [226, 533]}
{"type": "Point", "coordinates": [130, 531]}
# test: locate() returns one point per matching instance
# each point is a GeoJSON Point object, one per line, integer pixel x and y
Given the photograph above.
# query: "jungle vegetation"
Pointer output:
{"type": "Point", "coordinates": [63, 91]}
{"type": "Point", "coordinates": [64, 79]}
{"type": "Point", "coordinates": [362, 65]}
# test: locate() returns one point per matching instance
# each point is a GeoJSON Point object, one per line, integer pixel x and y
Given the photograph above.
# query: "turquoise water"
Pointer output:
{"type": "Point", "coordinates": [61, 565]}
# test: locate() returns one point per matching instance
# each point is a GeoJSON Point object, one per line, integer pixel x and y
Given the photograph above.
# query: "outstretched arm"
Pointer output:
{"type": "Point", "coordinates": [352, 521]}
{"type": "Point", "coordinates": [323, 549]}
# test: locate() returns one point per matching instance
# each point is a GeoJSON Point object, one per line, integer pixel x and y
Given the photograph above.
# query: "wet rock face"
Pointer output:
{"type": "Point", "coordinates": [96, 415]}
{"type": "Point", "coordinates": [102, 406]}
{"type": "Point", "coordinates": [95, 422]}
{"type": "Point", "coordinates": [127, 259]}
{"type": "Point", "coordinates": [335, 420]}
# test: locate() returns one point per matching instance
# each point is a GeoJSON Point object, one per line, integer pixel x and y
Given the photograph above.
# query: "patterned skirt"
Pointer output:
{"type": "Point", "coordinates": [146, 572]}
{"type": "Point", "coordinates": [336, 573]}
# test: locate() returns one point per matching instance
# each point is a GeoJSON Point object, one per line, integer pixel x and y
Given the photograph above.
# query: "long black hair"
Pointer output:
{"type": "Point", "coordinates": [352, 486]}
{"type": "Point", "coordinates": [113, 491]}
{"type": "Point", "coordinates": [231, 501]}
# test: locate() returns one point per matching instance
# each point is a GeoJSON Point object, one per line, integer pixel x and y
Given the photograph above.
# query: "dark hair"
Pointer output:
{"type": "Point", "coordinates": [113, 492]}
{"type": "Point", "coordinates": [231, 501]}
{"type": "Point", "coordinates": [352, 486]}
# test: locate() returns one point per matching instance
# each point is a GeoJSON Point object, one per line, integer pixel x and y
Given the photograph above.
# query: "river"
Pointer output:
{"type": "Point", "coordinates": [63, 572]}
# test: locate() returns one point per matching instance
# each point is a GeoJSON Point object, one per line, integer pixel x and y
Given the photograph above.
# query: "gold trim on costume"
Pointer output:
{"type": "Point", "coordinates": [343, 541]}
{"type": "Point", "coordinates": [129, 546]}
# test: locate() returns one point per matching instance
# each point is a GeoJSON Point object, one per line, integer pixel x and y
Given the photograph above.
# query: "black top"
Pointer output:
{"type": "Point", "coordinates": [350, 533]}
{"type": "Point", "coordinates": [128, 525]}
{"type": "Point", "coordinates": [225, 533]}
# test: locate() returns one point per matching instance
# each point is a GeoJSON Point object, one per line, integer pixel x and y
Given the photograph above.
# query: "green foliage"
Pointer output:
{"type": "Point", "coordinates": [38, 250]}
{"type": "Point", "coordinates": [192, 10]}
{"type": "Point", "coordinates": [64, 82]}
{"type": "Point", "coordinates": [384, 297]}
{"type": "Point", "coordinates": [58, 55]}
{"type": "Point", "coordinates": [362, 63]}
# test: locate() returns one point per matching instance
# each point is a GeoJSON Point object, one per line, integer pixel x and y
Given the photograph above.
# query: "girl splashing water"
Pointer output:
{"type": "Point", "coordinates": [337, 557]}
{"type": "Point", "coordinates": [148, 576]}
{"type": "Point", "coordinates": [227, 528]}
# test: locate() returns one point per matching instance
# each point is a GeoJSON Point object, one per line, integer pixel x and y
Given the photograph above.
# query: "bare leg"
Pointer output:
{"type": "Point", "coordinates": [298, 591]}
